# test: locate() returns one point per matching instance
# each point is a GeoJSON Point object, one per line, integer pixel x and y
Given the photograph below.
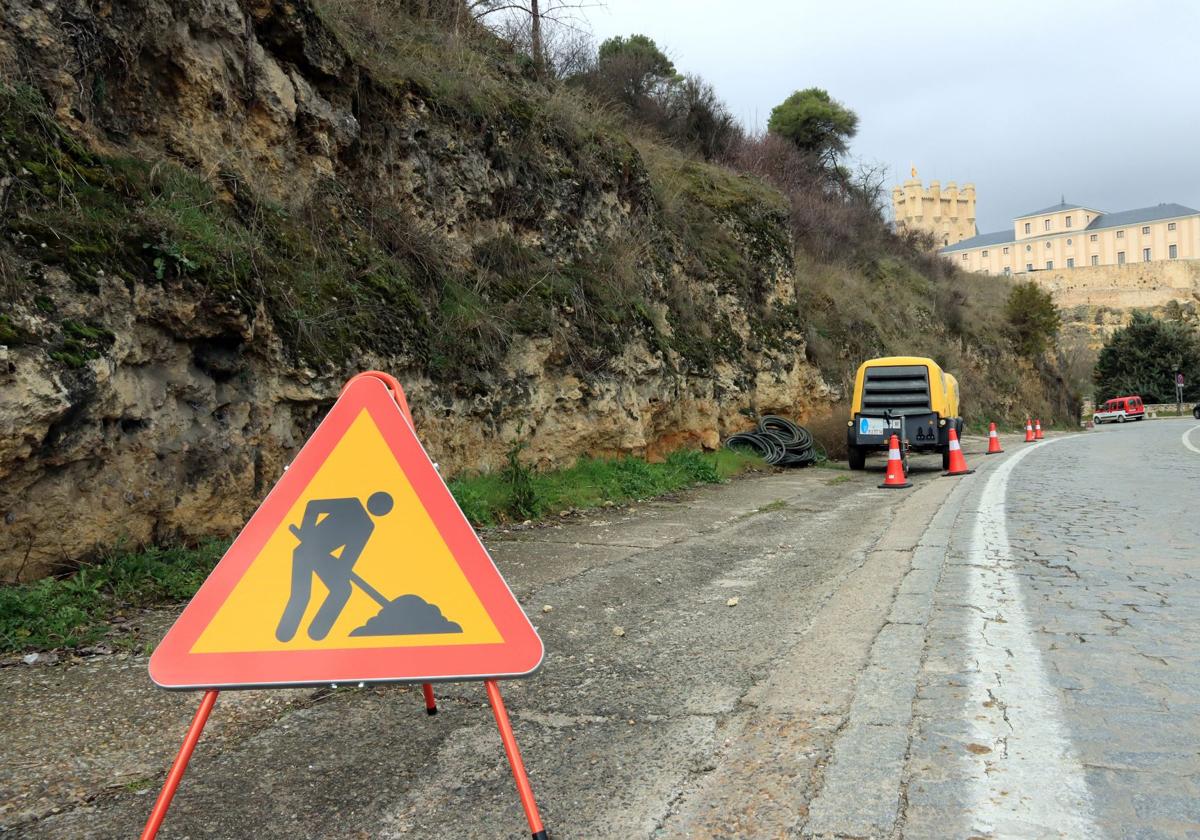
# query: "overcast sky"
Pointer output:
{"type": "Point", "coordinates": [1027, 99]}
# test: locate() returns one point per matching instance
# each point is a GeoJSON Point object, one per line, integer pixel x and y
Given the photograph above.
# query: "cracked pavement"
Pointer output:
{"type": "Point", "coordinates": [1061, 683]}
{"type": "Point", "coordinates": [655, 732]}
{"type": "Point", "coordinates": [925, 663]}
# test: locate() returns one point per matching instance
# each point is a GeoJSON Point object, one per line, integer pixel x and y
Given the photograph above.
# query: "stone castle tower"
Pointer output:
{"type": "Point", "coordinates": [948, 213]}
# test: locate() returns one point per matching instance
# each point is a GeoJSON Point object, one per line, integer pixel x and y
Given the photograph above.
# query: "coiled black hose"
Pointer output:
{"type": "Point", "coordinates": [778, 440]}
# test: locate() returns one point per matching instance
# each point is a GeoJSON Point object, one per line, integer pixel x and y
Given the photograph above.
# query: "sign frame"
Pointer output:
{"type": "Point", "coordinates": [395, 395]}
{"type": "Point", "coordinates": [174, 666]}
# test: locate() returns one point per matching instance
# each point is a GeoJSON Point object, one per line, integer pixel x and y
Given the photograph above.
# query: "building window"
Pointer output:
{"type": "Point", "coordinates": [964, 256]}
{"type": "Point", "coordinates": [1049, 264]}
{"type": "Point", "coordinates": [1027, 227]}
{"type": "Point", "coordinates": [1068, 241]}
{"type": "Point", "coordinates": [1120, 258]}
{"type": "Point", "coordinates": [1120, 234]}
{"type": "Point", "coordinates": [1047, 243]}
{"type": "Point", "coordinates": [1068, 221]}
{"type": "Point", "coordinates": [1170, 226]}
{"type": "Point", "coordinates": [1029, 266]}
{"type": "Point", "coordinates": [1145, 255]}
{"type": "Point", "coordinates": [1146, 230]}
{"type": "Point", "coordinates": [1095, 259]}
{"type": "Point", "coordinates": [1007, 271]}
{"type": "Point", "coordinates": [1070, 262]}
{"type": "Point", "coordinates": [1173, 251]}
{"type": "Point", "coordinates": [1006, 249]}
{"type": "Point", "coordinates": [1092, 237]}
{"type": "Point", "coordinates": [1047, 224]}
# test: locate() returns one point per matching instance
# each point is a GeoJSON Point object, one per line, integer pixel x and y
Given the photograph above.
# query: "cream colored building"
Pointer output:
{"type": "Point", "coordinates": [1074, 235]}
{"type": "Point", "coordinates": [946, 212]}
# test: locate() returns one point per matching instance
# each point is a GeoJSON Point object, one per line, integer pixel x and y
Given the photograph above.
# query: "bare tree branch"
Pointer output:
{"type": "Point", "coordinates": [524, 25]}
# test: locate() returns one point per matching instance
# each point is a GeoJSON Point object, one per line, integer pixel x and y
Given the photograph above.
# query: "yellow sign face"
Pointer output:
{"type": "Point", "coordinates": [349, 568]}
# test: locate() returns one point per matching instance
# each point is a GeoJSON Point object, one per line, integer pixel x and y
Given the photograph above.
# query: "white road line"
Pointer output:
{"type": "Point", "coordinates": [1188, 443]}
{"type": "Point", "coordinates": [1027, 780]}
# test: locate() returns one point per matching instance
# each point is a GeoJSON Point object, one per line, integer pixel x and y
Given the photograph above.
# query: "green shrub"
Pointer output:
{"type": "Point", "coordinates": [524, 500]}
{"type": "Point", "coordinates": [1032, 317]}
{"type": "Point", "coordinates": [74, 610]}
{"type": "Point", "coordinates": [1144, 357]}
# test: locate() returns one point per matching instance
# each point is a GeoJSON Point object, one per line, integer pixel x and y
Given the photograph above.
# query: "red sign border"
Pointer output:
{"type": "Point", "coordinates": [520, 654]}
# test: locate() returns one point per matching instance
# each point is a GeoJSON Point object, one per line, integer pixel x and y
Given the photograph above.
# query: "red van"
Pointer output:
{"type": "Point", "coordinates": [1119, 409]}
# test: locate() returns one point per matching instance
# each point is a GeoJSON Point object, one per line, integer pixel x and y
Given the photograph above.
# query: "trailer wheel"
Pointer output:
{"type": "Point", "coordinates": [857, 456]}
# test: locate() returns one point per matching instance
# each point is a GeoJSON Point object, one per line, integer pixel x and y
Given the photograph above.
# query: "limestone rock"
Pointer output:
{"type": "Point", "coordinates": [188, 403]}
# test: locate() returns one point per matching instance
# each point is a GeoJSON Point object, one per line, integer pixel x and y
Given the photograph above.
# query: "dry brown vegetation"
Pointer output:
{"type": "Point", "coordinates": [861, 290]}
{"type": "Point", "coordinates": [828, 429]}
{"type": "Point", "coordinates": [864, 290]}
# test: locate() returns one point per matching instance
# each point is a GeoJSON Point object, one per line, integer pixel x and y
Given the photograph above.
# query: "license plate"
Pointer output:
{"type": "Point", "coordinates": [876, 425]}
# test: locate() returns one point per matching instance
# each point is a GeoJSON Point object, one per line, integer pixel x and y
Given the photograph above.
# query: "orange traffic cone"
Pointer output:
{"type": "Point", "coordinates": [958, 464]}
{"type": "Point", "coordinates": [895, 467]}
{"type": "Point", "coordinates": [1037, 430]}
{"type": "Point", "coordinates": [993, 441]}
{"type": "Point", "coordinates": [1028, 431]}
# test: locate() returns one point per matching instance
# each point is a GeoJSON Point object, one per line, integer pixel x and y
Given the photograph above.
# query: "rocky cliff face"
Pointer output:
{"type": "Point", "coordinates": [215, 211]}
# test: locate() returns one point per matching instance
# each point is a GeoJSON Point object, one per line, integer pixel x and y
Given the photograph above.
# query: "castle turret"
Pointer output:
{"type": "Point", "coordinates": [968, 200]}
{"type": "Point", "coordinates": [946, 212]}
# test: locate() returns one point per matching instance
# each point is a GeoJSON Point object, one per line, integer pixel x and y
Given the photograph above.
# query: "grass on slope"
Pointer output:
{"type": "Point", "coordinates": [326, 284]}
{"type": "Point", "coordinates": [76, 610]}
{"type": "Point", "coordinates": [517, 493]}
{"type": "Point", "coordinates": [347, 270]}
{"type": "Point", "coordinates": [893, 307]}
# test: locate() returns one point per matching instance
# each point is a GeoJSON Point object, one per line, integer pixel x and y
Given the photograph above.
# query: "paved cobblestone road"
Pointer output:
{"type": "Point", "coordinates": [1059, 694]}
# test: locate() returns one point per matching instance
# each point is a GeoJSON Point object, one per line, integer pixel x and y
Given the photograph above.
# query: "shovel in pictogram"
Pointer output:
{"type": "Point", "coordinates": [405, 615]}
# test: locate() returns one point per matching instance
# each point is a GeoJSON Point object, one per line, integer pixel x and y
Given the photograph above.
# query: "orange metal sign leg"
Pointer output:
{"type": "Point", "coordinates": [430, 702]}
{"type": "Point", "coordinates": [514, 760]}
{"type": "Point", "coordinates": [177, 769]}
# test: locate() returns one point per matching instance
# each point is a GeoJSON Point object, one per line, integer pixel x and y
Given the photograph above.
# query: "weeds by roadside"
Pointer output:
{"type": "Point", "coordinates": [76, 610]}
{"type": "Point", "coordinates": [518, 493]}
{"type": "Point", "coordinates": [828, 429]}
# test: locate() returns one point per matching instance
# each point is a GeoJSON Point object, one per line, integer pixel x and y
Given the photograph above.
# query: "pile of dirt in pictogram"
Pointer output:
{"type": "Point", "coordinates": [407, 615]}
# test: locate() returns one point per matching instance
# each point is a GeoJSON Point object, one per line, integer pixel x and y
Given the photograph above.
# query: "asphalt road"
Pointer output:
{"type": "Point", "coordinates": [1012, 653]}
{"type": "Point", "coordinates": [1060, 692]}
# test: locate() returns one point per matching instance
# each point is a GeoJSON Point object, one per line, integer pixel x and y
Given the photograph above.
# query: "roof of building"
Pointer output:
{"type": "Point", "coordinates": [1057, 208]}
{"type": "Point", "coordinates": [1143, 214]}
{"type": "Point", "coordinates": [1124, 218]}
{"type": "Point", "coordinates": [981, 241]}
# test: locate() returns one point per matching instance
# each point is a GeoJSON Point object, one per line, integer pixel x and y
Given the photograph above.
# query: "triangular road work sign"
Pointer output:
{"type": "Point", "coordinates": [358, 567]}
